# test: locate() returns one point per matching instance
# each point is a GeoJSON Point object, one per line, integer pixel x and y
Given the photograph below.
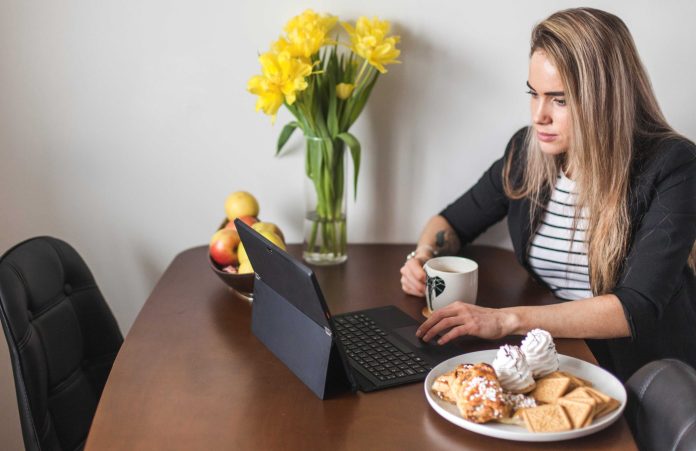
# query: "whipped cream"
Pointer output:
{"type": "Point", "coordinates": [512, 370]}
{"type": "Point", "coordinates": [539, 349]}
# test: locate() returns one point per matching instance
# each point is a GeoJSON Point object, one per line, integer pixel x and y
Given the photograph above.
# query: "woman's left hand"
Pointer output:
{"type": "Point", "coordinates": [467, 319]}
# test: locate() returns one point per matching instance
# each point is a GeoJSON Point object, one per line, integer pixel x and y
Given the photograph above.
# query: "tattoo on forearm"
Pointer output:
{"type": "Point", "coordinates": [440, 239]}
{"type": "Point", "coordinates": [446, 242]}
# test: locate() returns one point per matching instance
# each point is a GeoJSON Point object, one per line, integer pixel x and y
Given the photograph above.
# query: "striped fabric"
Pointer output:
{"type": "Point", "coordinates": [556, 255]}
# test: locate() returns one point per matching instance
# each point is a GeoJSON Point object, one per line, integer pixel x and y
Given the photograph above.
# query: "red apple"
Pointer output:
{"type": "Point", "coordinates": [223, 247]}
{"type": "Point", "coordinates": [248, 220]}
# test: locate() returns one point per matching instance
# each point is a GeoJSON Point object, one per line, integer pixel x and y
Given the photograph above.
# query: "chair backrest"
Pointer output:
{"type": "Point", "coordinates": [62, 339]}
{"type": "Point", "coordinates": [661, 409]}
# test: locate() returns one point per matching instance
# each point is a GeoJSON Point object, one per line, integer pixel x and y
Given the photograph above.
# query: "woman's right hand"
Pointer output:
{"type": "Point", "coordinates": [413, 277]}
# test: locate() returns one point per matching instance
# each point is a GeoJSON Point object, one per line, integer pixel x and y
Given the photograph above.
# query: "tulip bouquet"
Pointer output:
{"type": "Point", "coordinates": [325, 84]}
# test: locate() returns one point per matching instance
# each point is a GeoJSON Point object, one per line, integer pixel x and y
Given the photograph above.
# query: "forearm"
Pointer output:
{"type": "Point", "coordinates": [597, 317]}
{"type": "Point", "coordinates": [438, 237]}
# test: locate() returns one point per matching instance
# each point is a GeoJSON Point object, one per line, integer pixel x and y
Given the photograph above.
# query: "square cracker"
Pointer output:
{"type": "Point", "coordinates": [604, 402]}
{"type": "Point", "coordinates": [557, 373]}
{"type": "Point", "coordinates": [610, 406]}
{"type": "Point", "coordinates": [549, 390]}
{"type": "Point", "coordinates": [589, 401]}
{"type": "Point", "coordinates": [577, 411]}
{"type": "Point", "coordinates": [575, 381]}
{"type": "Point", "coordinates": [579, 392]}
{"type": "Point", "coordinates": [590, 419]}
{"type": "Point", "coordinates": [583, 394]}
{"type": "Point", "coordinates": [605, 398]}
{"type": "Point", "coordinates": [547, 418]}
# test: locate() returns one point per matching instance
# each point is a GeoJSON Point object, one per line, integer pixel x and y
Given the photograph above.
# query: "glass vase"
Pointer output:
{"type": "Point", "coordinates": [325, 218]}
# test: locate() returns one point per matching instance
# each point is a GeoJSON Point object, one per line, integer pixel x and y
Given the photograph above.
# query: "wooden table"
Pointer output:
{"type": "Point", "coordinates": [191, 376]}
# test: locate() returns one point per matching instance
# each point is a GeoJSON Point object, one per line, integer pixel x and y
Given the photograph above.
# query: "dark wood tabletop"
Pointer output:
{"type": "Point", "coordinates": [191, 375]}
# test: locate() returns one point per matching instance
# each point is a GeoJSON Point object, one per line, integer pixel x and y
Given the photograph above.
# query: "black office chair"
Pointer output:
{"type": "Point", "coordinates": [62, 338]}
{"type": "Point", "coordinates": [661, 409]}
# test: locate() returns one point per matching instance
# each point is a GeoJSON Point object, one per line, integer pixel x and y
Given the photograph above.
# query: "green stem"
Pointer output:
{"type": "Point", "coordinates": [327, 234]}
{"type": "Point", "coordinates": [362, 70]}
{"type": "Point", "coordinates": [344, 238]}
{"type": "Point", "coordinates": [313, 235]}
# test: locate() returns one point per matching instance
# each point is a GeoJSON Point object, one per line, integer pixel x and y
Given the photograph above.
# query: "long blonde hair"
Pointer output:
{"type": "Point", "coordinates": [612, 105]}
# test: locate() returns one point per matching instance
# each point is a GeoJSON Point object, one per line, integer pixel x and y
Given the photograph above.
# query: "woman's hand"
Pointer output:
{"type": "Point", "coordinates": [413, 277]}
{"type": "Point", "coordinates": [467, 319]}
{"type": "Point", "coordinates": [438, 238]}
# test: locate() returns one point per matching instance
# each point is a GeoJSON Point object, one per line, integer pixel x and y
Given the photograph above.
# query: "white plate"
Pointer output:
{"type": "Point", "coordinates": [600, 378]}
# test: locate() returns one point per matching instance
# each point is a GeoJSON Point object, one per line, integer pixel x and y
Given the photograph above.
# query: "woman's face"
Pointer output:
{"type": "Point", "coordinates": [550, 114]}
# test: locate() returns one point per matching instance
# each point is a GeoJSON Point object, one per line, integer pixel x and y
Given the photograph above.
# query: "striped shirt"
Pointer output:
{"type": "Point", "coordinates": [556, 255]}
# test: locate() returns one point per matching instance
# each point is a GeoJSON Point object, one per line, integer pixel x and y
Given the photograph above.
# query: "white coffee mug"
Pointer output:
{"type": "Point", "coordinates": [450, 279]}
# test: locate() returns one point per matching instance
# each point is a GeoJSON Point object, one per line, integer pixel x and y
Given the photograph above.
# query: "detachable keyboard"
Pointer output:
{"type": "Point", "coordinates": [374, 355]}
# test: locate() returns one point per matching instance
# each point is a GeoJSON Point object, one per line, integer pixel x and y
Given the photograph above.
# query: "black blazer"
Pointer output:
{"type": "Point", "coordinates": [656, 287]}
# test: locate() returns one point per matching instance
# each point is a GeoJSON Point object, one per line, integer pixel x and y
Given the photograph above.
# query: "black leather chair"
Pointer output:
{"type": "Point", "coordinates": [62, 338]}
{"type": "Point", "coordinates": [661, 408]}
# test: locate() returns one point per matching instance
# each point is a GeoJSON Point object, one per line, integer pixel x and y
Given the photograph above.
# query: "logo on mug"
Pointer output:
{"type": "Point", "coordinates": [435, 286]}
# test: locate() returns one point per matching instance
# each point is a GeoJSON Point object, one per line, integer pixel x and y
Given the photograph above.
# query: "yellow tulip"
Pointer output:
{"type": "Point", "coordinates": [282, 78]}
{"type": "Point", "coordinates": [369, 40]}
{"type": "Point", "coordinates": [270, 96]}
{"type": "Point", "coordinates": [306, 34]}
{"type": "Point", "coordinates": [344, 90]}
{"type": "Point", "coordinates": [281, 45]}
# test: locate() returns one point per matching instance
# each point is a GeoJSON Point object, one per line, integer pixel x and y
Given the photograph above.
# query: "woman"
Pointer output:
{"type": "Point", "coordinates": [600, 195]}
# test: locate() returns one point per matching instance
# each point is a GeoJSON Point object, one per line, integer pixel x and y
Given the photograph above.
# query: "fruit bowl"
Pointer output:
{"type": "Point", "coordinates": [243, 284]}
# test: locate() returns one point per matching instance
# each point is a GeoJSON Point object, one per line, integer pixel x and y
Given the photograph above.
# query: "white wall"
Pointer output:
{"type": "Point", "coordinates": [124, 124]}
